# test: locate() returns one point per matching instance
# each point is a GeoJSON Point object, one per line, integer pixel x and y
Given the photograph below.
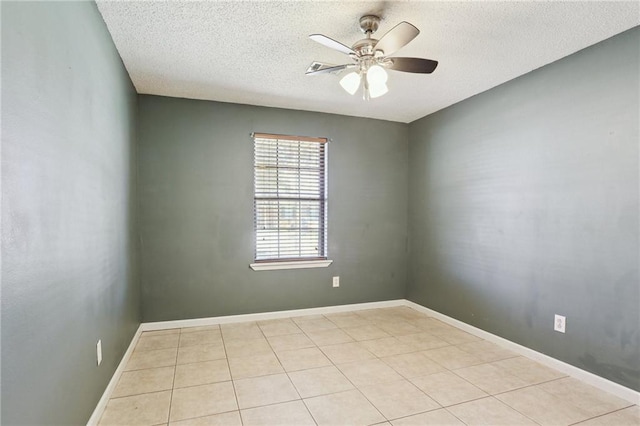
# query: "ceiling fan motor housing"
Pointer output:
{"type": "Point", "coordinates": [369, 24]}
{"type": "Point", "coordinates": [364, 47]}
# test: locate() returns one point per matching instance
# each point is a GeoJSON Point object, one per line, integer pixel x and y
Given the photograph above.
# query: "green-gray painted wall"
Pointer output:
{"type": "Point", "coordinates": [68, 218]}
{"type": "Point", "coordinates": [523, 203]}
{"type": "Point", "coordinates": [196, 210]}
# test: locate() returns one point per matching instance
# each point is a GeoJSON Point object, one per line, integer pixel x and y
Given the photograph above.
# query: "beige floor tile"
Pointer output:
{"type": "Point", "coordinates": [421, 346]}
{"type": "Point", "coordinates": [214, 327]}
{"type": "Point", "coordinates": [488, 411]}
{"type": "Point", "coordinates": [387, 346]}
{"type": "Point", "coordinates": [200, 338]}
{"type": "Point", "coordinates": [346, 352]}
{"type": "Point", "coordinates": [265, 390]}
{"type": "Point", "coordinates": [344, 408]}
{"type": "Point", "coordinates": [319, 381]}
{"type": "Point", "coordinates": [542, 407]}
{"type": "Point", "coordinates": [289, 342]}
{"type": "Point", "coordinates": [254, 366]}
{"type": "Point", "coordinates": [371, 314]}
{"type": "Point", "coordinates": [161, 332]}
{"type": "Point", "coordinates": [405, 312]}
{"type": "Point", "coordinates": [423, 341]}
{"type": "Point", "coordinates": [380, 316]}
{"type": "Point", "coordinates": [447, 388]}
{"type": "Point", "coordinates": [398, 399]}
{"type": "Point", "coordinates": [201, 373]}
{"type": "Point", "coordinates": [487, 351]}
{"type": "Point", "coordinates": [292, 413]}
{"type": "Point", "coordinates": [367, 332]}
{"type": "Point", "coordinates": [146, 409]}
{"type": "Point", "coordinates": [302, 359]}
{"type": "Point", "coordinates": [317, 324]}
{"type": "Point", "coordinates": [151, 359]}
{"type": "Point", "coordinates": [347, 319]}
{"type": "Point", "coordinates": [304, 318]}
{"type": "Point", "coordinates": [278, 327]}
{"type": "Point", "coordinates": [528, 370]}
{"type": "Point", "coordinates": [199, 401]}
{"type": "Point", "coordinates": [242, 330]}
{"type": "Point", "coordinates": [144, 381]}
{"type": "Point", "coordinates": [200, 353]}
{"type": "Point", "coordinates": [491, 379]}
{"type": "Point", "coordinates": [592, 400]}
{"type": "Point", "coordinates": [231, 418]}
{"type": "Point", "coordinates": [329, 337]}
{"type": "Point", "coordinates": [399, 328]}
{"type": "Point", "coordinates": [247, 347]}
{"type": "Point", "coordinates": [369, 372]}
{"type": "Point", "coordinates": [412, 365]}
{"type": "Point", "coordinates": [625, 417]}
{"type": "Point", "coordinates": [436, 418]}
{"type": "Point", "coordinates": [457, 337]}
{"type": "Point", "coordinates": [433, 326]}
{"type": "Point", "coordinates": [163, 341]}
{"type": "Point", "coordinates": [452, 357]}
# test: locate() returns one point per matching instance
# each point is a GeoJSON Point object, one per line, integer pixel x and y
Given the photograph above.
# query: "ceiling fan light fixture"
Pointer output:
{"type": "Point", "coordinates": [350, 82]}
{"type": "Point", "coordinates": [377, 90]}
{"type": "Point", "coordinates": [376, 75]}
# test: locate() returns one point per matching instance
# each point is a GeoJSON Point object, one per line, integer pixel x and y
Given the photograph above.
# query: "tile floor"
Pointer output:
{"type": "Point", "coordinates": [392, 366]}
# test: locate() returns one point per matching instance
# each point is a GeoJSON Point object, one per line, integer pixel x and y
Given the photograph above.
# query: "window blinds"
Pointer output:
{"type": "Point", "coordinates": [290, 205]}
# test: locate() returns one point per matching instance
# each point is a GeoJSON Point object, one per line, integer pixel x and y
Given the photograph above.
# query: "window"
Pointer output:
{"type": "Point", "coordinates": [290, 203]}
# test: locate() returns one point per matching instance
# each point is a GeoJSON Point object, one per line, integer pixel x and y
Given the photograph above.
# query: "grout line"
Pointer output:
{"type": "Point", "coordinates": [233, 384]}
{"type": "Point", "coordinates": [200, 417]}
{"type": "Point", "coordinates": [602, 415]}
{"type": "Point", "coordinates": [517, 411]}
{"type": "Point", "coordinates": [173, 382]}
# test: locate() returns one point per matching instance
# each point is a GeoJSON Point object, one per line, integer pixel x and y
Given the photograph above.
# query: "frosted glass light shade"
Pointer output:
{"type": "Point", "coordinates": [376, 76]}
{"type": "Point", "coordinates": [377, 90]}
{"type": "Point", "coordinates": [350, 82]}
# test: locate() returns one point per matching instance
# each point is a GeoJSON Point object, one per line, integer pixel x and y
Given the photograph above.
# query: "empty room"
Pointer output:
{"type": "Point", "coordinates": [320, 213]}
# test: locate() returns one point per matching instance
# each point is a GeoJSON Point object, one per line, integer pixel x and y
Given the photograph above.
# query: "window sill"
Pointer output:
{"type": "Point", "coordinates": [296, 264]}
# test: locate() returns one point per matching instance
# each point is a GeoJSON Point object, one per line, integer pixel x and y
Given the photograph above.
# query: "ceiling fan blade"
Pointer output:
{"type": "Point", "coordinates": [317, 68]}
{"type": "Point", "coordinates": [331, 43]}
{"type": "Point", "coordinates": [417, 65]}
{"type": "Point", "coordinates": [397, 37]}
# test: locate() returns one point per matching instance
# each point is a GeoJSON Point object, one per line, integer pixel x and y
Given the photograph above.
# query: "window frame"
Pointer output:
{"type": "Point", "coordinates": [322, 219]}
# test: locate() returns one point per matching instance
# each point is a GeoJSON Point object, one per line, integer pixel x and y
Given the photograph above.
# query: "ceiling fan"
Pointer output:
{"type": "Point", "coordinates": [371, 58]}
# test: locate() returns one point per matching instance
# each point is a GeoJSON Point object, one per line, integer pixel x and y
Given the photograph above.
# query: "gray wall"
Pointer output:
{"type": "Point", "coordinates": [196, 210]}
{"type": "Point", "coordinates": [524, 204]}
{"type": "Point", "coordinates": [68, 272]}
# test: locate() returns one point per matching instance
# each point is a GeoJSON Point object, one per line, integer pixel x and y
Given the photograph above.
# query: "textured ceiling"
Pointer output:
{"type": "Point", "coordinates": [256, 53]}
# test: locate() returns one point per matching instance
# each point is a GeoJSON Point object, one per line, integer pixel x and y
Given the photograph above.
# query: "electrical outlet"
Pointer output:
{"type": "Point", "coordinates": [99, 351]}
{"type": "Point", "coordinates": [559, 323]}
{"type": "Point", "coordinates": [336, 281]}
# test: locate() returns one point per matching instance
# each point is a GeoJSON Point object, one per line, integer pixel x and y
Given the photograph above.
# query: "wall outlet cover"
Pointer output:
{"type": "Point", "coordinates": [560, 323]}
{"type": "Point", "coordinates": [99, 351]}
{"type": "Point", "coordinates": [336, 281]}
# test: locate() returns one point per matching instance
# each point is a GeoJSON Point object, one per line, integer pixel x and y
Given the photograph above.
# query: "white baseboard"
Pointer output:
{"type": "Point", "coordinates": [589, 378]}
{"type": "Point", "coordinates": [102, 404]}
{"type": "Point", "coordinates": [163, 325]}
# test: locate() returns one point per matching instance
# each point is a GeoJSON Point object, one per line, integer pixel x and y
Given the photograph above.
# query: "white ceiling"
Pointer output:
{"type": "Point", "coordinates": [256, 52]}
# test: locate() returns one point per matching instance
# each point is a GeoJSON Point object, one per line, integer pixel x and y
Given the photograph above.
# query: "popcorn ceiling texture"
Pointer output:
{"type": "Point", "coordinates": [257, 52]}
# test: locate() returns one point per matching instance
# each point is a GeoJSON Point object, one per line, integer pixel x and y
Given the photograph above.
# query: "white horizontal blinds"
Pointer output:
{"type": "Point", "coordinates": [290, 197]}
